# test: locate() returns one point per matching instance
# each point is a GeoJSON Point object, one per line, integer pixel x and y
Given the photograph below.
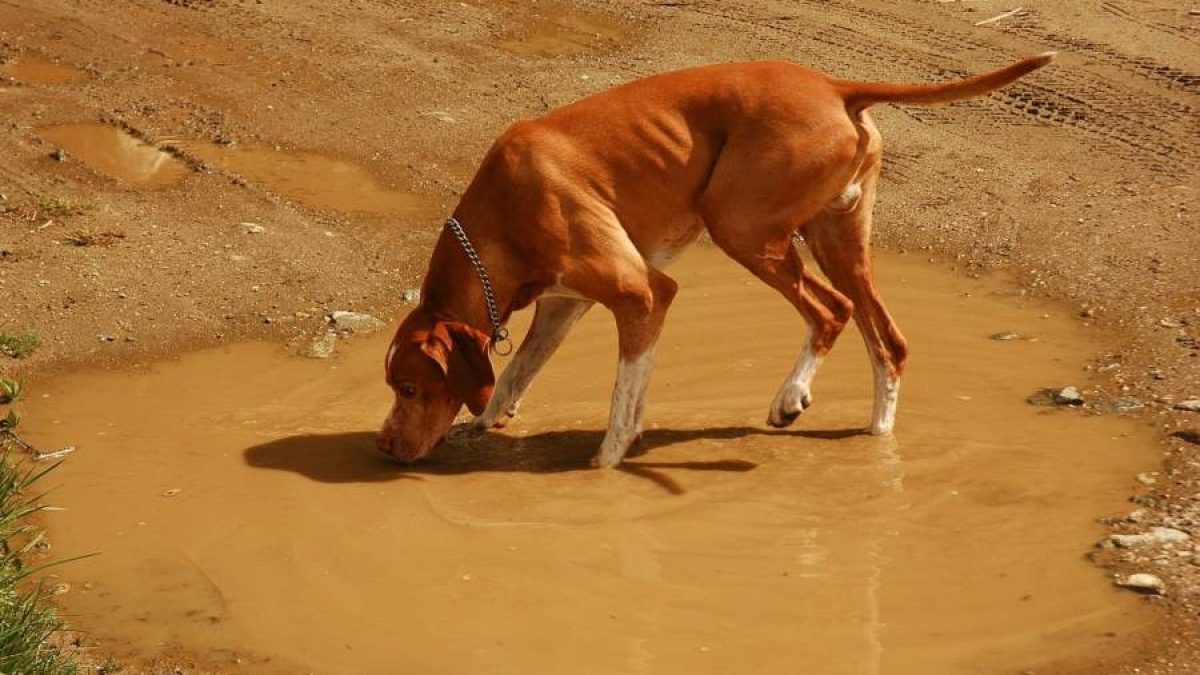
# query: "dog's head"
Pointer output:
{"type": "Point", "coordinates": [433, 366]}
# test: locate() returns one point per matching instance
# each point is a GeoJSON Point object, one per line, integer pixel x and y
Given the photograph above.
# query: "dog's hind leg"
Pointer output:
{"type": "Point", "coordinates": [765, 184]}
{"type": "Point", "coordinates": [840, 242]}
{"type": "Point", "coordinates": [824, 309]}
{"type": "Point", "coordinates": [795, 394]}
{"type": "Point", "coordinates": [552, 320]}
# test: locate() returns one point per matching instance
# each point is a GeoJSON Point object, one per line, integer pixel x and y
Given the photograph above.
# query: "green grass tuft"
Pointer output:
{"type": "Point", "coordinates": [28, 623]}
{"type": "Point", "coordinates": [18, 346]}
{"type": "Point", "coordinates": [60, 206]}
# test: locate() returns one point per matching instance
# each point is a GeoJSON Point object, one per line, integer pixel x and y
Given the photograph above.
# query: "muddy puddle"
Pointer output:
{"type": "Point", "coordinates": [116, 153]}
{"type": "Point", "coordinates": [30, 68]}
{"type": "Point", "coordinates": [239, 509]}
{"type": "Point", "coordinates": [311, 179]}
{"type": "Point", "coordinates": [553, 30]}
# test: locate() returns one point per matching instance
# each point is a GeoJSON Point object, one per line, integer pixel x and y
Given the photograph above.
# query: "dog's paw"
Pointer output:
{"type": "Point", "coordinates": [880, 428]}
{"type": "Point", "coordinates": [786, 410]}
{"type": "Point", "coordinates": [504, 419]}
{"type": "Point", "coordinates": [606, 459]}
{"type": "Point", "coordinates": [491, 419]}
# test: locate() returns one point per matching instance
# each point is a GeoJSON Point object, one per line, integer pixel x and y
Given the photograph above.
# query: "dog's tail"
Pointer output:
{"type": "Point", "coordinates": [861, 95]}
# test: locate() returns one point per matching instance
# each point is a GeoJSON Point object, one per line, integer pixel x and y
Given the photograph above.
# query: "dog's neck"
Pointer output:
{"type": "Point", "coordinates": [453, 289]}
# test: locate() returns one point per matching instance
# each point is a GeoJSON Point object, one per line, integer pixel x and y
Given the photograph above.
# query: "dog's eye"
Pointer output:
{"type": "Point", "coordinates": [406, 390]}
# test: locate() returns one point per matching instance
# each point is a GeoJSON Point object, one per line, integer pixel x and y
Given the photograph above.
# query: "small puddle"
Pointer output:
{"type": "Point", "coordinates": [116, 153]}
{"type": "Point", "coordinates": [239, 508]}
{"type": "Point", "coordinates": [30, 68]}
{"type": "Point", "coordinates": [311, 179]}
{"type": "Point", "coordinates": [551, 31]}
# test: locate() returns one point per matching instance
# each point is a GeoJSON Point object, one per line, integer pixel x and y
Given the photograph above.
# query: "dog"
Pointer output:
{"type": "Point", "coordinates": [591, 202]}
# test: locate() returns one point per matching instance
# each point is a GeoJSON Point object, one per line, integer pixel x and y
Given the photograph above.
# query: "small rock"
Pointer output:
{"type": "Point", "coordinates": [1143, 583]}
{"type": "Point", "coordinates": [252, 228]}
{"type": "Point", "coordinates": [1004, 336]}
{"type": "Point", "coordinates": [356, 322]}
{"type": "Point", "coordinates": [172, 492]}
{"type": "Point", "coordinates": [411, 295]}
{"type": "Point", "coordinates": [1157, 536]}
{"type": "Point", "coordinates": [321, 347]}
{"type": "Point", "coordinates": [61, 589]}
{"type": "Point", "coordinates": [59, 155]}
{"type": "Point", "coordinates": [1190, 405]}
{"type": "Point", "coordinates": [1125, 404]}
{"type": "Point", "coordinates": [1068, 396]}
{"type": "Point", "coordinates": [1139, 515]}
{"type": "Point", "coordinates": [107, 338]}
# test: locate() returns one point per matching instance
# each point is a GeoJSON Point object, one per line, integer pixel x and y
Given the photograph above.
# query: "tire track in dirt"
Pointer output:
{"type": "Point", "coordinates": [1109, 116]}
{"type": "Point", "coordinates": [1085, 102]}
{"type": "Point", "coordinates": [1136, 16]}
{"type": "Point", "coordinates": [1174, 78]}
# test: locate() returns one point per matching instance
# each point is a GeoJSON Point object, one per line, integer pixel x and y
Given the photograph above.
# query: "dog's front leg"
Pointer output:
{"type": "Point", "coordinates": [552, 320]}
{"type": "Point", "coordinates": [633, 376]}
{"type": "Point", "coordinates": [639, 322]}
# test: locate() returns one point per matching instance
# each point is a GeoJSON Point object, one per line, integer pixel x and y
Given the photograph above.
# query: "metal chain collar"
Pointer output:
{"type": "Point", "coordinates": [499, 332]}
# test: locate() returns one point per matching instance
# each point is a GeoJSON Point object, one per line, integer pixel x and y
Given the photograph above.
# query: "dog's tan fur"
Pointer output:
{"type": "Point", "coordinates": [590, 202]}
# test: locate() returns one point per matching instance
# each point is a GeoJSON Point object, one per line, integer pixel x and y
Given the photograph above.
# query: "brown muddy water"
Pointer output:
{"type": "Point", "coordinates": [239, 509]}
{"type": "Point", "coordinates": [30, 68]}
{"type": "Point", "coordinates": [311, 179]}
{"type": "Point", "coordinates": [116, 153]}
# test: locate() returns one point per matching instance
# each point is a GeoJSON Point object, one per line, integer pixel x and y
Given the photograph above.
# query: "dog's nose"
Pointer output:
{"type": "Point", "coordinates": [386, 445]}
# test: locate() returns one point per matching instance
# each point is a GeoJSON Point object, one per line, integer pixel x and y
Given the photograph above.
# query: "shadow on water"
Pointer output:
{"type": "Point", "coordinates": [351, 457]}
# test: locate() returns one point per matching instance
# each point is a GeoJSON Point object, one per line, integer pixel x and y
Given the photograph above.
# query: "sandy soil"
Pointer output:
{"type": "Point", "coordinates": [1081, 179]}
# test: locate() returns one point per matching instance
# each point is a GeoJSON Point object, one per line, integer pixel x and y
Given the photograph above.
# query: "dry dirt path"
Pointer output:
{"type": "Point", "coordinates": [1082, 179]}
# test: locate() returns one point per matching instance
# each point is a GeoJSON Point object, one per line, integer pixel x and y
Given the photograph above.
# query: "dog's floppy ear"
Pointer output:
{"type": "Point", "coordinates": [462, 354]}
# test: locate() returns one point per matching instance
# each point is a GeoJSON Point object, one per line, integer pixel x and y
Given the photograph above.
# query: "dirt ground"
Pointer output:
{"type": "Point", "coordinates": [1080, 179]}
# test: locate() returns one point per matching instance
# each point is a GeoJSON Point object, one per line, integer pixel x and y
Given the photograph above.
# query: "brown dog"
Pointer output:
{"type": "Point", "coordinates": [590, 202]}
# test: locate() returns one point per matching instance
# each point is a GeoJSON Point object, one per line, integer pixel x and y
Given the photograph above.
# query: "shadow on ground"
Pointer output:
{"type": "Point", "coordinates": [351, 457]}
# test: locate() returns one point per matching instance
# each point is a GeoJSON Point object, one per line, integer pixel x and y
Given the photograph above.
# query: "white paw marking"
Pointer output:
{"type": "Point", "coordinates": [627, 405]}
{"type": "Point", "coordinates": [795, 396]}
{"type": "Point", "coordinates": [887, 393]}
